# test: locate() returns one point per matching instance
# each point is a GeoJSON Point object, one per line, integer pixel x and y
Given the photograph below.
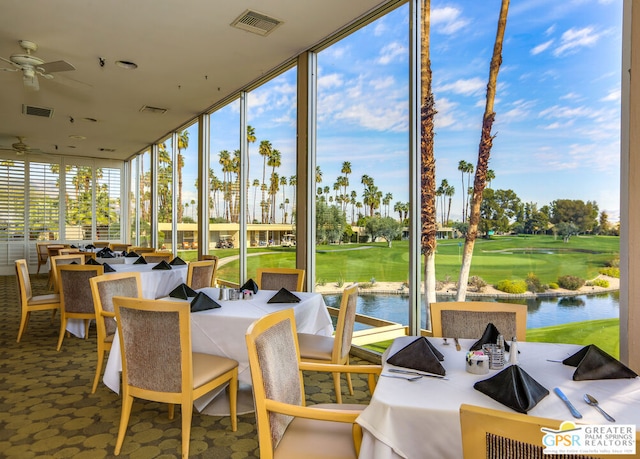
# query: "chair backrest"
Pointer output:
{"type": "Point", "coordinates": [201, 274]}
{"type": "Point", "coordinates": [59, 260]}
{"type": "Point", "coordinates": [272, 345]}
{"type": "Point", "coordinates": [119, 247]}
{"type": "Point", "coordinates": [75, 289]}
{"type": "Point", "coordinates": [104, 288]}
{"type": "Point", "coordinates": [54, 249]}
{"type": "Point", "coordinates": [275, 278]}
{"type": "Point", "coordinates": [101, 244]}
{"type": "Point", "coordinates": [43, 253]}
{"type": "Point", "coordinates": [207, 257]}
{"type": "Point", "coordinates": [157, 257]}
{"type": "Point", "coordinates": [67, 251]}
{"type": "Point", "coordinates": [469, 319]}
{"type": "Point", "coordinates": [24, 282]}
{"type": "Point", "coordinates": [155, 343]}
{"type": "Point", "coordinates": [345, 324]}
{"type": "Point", "coordinates": [140, 250]}
{"type": "Point", "coordinates": [497, 434]}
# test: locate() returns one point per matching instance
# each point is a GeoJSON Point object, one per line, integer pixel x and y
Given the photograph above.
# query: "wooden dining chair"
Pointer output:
{"type": "Point", "coordinates": [140, 250]}
{"type": "Point", "coordinates": [275, 278]}
{"type": "Point", "coordinates": [101, 244]}
{"type": "Point", "coordinates": [334, 349]}
{"type": "Point", "coordinates": [119, 247]}
{"type": "Point", "coordinates": [103, 289]}
{"type": "Point", "coordinates": [52, 251]}
{"type": "Point", "coordinates": [43, 254]}
{"type": "Point", "coordinates": [30, 303]}
{"type": "Point", "coordinates": [469, 319]}
{"type": "Point", "coordinates": [76, 300]}
{"type": "Point", "coordinates": [497, 434]}
{"type": "Point", "coordinates": [159, 365]}
{"type": "Point", "coordinates": [286, 427]}
{"type": "Point", "coordinates": [157, 257]}
{"type": "Point", "coordinates": [59, 260]}
{"type": "Point", "coordinates": [201, 274]}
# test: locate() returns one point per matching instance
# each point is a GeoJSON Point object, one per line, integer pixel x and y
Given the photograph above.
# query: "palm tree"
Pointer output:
{"type": "Point", "coordinates": [283, 185]}
{"type": "Point", "coordinates": [183, 143]}
{"type": "Point", "coordinates": [428, 218]}
{"type": "Point", "coordinates": [193, 202]}
{"type": "Point", "coordinates": [346, 170]}
{"type": "Point", "coordinates": [225, 162]}
{"type": "Point", "coordinates": [251, 138]}
{"type": "Point", "coordinates": [265, 152]}
{"type": "Point", "coordinates": [484, 152]}
{"type": "Point", "coordinates": [318, 175]}
{"type": "Point", "coordinates": [490, 176]}
{"type": "Point", "coordinates": [449, 191]}
{"type": "Point", "coordinates": [293, 181]}
{"type": "Point", "coordinates": [274, 161]}
{"type": "Point", "coordinates": [256, 185]}
{"type": "Point", "coordinates": [386, 201]}
{"type": "Point", "coordinates": [465, 168]}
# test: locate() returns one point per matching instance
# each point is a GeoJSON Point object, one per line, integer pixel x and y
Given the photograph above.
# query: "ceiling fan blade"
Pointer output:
{"type": "Point", "coordinates": [56, 66]}
{"type": "Point", "coordinates": [9, 62]}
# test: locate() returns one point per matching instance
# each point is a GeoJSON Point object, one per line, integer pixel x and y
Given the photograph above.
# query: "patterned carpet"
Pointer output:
{"type": "Point", "coordinates": [47, 409]}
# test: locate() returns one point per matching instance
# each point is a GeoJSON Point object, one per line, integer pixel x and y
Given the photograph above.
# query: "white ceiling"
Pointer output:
{"type": "Point", "coordinates": [188, 56]}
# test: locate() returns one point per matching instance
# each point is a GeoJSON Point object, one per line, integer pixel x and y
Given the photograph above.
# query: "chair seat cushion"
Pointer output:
{"type": "Point", "coordinates": [207, 367]}
{"type": "Point", "coordinates": [312, 439]}
{"type": "Point", "coordinates": [44, 299]}
{"type": "Point", "coordinates": [315, 347]}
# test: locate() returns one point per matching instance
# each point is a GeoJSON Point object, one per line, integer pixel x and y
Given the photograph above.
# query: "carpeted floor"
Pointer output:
{"type": "Point", "coordinates": [47, 409]}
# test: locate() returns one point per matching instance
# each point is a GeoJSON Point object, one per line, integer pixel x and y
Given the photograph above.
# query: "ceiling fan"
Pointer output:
{"type": "Point", "coordinates": [32, 66]}
{"type": "Point", "coordinates": [19, 147]}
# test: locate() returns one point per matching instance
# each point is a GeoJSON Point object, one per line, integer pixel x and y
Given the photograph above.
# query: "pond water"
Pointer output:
{"type": "Point", "coordinates": [541, 312]}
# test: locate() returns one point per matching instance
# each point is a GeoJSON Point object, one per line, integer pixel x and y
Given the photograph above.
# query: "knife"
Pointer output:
{"type": "Point", "coordinates": [574, 412]}
{"type": "Point", "coordinates": [426, 374]}
{"type": "Point", "coordinates": [455, 340]}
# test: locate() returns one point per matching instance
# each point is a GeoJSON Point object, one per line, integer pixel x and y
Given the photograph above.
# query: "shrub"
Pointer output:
{"type": "Point", "coordinates": [610, 271]}
{"type": "Point", "coordinates": [615, 263]}
{"type": "Point", "coordinates": [570, 282]}
{"type": "Point", "coordinates": [533, 283]}
{"type": "Point", "coordinates": [477, 283]}
{"type": "Point", "coordinates": [553, 286]}
{"type": "Point", "coordinates": [510, 286]}
{"type": "Point", "coordinates": [365, 285]}
{"type": "Point", "coordinates": [340, 282]}
{"type": "Point", "coordinates": [599, 283]}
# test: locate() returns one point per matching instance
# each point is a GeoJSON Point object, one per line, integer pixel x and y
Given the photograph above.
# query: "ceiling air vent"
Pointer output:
{"type": "Point", "coordinates": [255, 22]}
{"type": "Point", "coordinates": [150, 109]}
{"type": "Point", "coordinates": [37, 111]}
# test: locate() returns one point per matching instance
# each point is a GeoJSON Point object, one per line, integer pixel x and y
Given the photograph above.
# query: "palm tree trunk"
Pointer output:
{"type": "Point", "coordinates": [428, 164]}
{"type": "Point", "coordinates": [484, 152]}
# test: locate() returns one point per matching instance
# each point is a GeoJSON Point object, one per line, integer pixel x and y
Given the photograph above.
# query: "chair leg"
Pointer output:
{"type": "Point", "coordinates": [233, 400]}
{"type": "Point", "coordinates": [187, 412]}
{"type": "Point", "coordinates": [96, 378]}
{"type": "Point", "coordinates": [349, 383]}
{"type": "Point", "coordinates": [172, 410]}
{"type": "Point", "coordinates": [127, 402]}
{"type": "Point", "coordinates": [53, 315]}
{"type": "Point", "coordinates": [336, 385]}
{"type": "Point", "coordinates": [87, 322]}
{"type": "Point", "coordinates": [63, 329]}
{"type": "Point", "coordinates": [23, 324]}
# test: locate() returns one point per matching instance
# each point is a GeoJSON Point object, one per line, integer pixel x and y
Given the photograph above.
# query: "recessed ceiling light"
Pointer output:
{"type": "Point", "coordinates": [93, 120]}
{"type": "Point", "coordinates": [127, 65]}
{"type": "Point", "coordinates": [77, 137]}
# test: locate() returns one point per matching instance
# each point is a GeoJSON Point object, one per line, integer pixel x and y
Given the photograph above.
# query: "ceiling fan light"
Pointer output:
{"type": "Point", "coordinates": [30, 79]}
{"type": "Point", "coordinates": [127, 65]}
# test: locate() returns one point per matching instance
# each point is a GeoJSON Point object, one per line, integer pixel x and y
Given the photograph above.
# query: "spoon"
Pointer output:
{"type": "Point", "coordinates": [411, 378]}
{"type": "Point", "coordinates": [593, 402]}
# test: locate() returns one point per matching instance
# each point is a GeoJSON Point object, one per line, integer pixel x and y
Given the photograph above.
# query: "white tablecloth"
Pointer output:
{"type": "Point", "coordinates": [221, 331]}
{"type": "Point", "coordinates": [421, 419]}
{"type": "Point", "coordinates": [156, 283]}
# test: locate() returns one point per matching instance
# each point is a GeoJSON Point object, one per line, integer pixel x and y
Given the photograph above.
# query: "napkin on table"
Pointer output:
{"type": "Point", "coordinates": [91, 261]}
{"type": "Point", "coordinates": [250, 285]}
{"type": "Point", "coordinates": [490, 336]}
{"type": "Point", "coordinates": [177, 261]}
{"type": "Point", "coordinates": [108, 268]}
{"type": "Point", "coordinates": [131, 254]}
{"type": "Point", "coordinates": [182, 291]}
{"type": "Point", "coordinates": [591, 362]}
{"type": "Point", "coordinates": [162, 265]}
{"type": "Point", "coordinates": [105, 254]}
{"type": "Point", "coordinates": [90, 247]}
{"type": "Point", "coordinates": [420, 355]}
{"type": "Point", "coordinates": [140, 261]}
{"type": "Point", "coordinates": [513, 387]}
{"type": "Point", "coordinates": [202, 302]}
{"type": "Point", "coordinates": [284, 296]}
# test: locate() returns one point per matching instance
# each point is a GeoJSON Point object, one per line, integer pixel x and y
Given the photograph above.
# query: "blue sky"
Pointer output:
{"type": "Point", "coordinates": [557, 107]}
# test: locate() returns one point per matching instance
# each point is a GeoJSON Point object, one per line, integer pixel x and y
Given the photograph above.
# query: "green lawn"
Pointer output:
{"type": "Point", "coordinates": [604, 333]}
{"type": "Point", "coordinates": [505, 257]}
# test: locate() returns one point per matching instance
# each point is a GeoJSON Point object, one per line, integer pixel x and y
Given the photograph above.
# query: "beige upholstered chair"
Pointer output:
{"type": "Point", "coordinates": [334, 349]}
{"type": "Point", "coordinates": [157, 257]}
{"type": "Point", "coordinates": [496, 434]}
{"type": "Point", "coordinates": [140, 250]}
{"type": "Point", "coordinates": [30, 303]}
{"type": "Point", "coordinates": [103, 289]}
{"type": "Point", "coordinates": [275, 278]}
{"type": "Point", "coordinates": [286, 427]}
{"type": "Point", "coordinates": [76, 301]}
{"type": "Point", "coordinates": [158, 364]}
{"type": "Point", "coordinates": [469, 319]}
{"type": "Point", "coordinates": [52, 251]}
{"type": "Point", "coordinates": [101, 244]}
{"type": "Point", "coordinates": [59, 260]}
{"type": "Point", "coordinates": [201, 274]}
{"type": "Point", "coordinates": [119, 247]}
{"type": "Point", "coordinates": [43, 254]}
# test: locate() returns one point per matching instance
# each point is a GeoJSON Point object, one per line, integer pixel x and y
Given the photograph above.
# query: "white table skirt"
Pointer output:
{"type": "Point", "coordinates": [156, 283]}
{"type": "Point", "coordinates": [421, 418]}
{"type": "Point", "coordinates": [222, 331]}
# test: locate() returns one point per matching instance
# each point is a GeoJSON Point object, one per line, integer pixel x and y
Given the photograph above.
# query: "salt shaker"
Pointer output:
{"type": "Point", "coordinates": [513, 353]}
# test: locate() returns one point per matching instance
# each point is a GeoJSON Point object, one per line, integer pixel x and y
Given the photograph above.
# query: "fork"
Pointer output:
{"type": "Point", "coordinates": [406, 378]}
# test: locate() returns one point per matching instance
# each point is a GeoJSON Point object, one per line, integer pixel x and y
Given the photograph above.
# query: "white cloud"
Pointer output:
{"type": "Point", "coordinates": [613, 96]}
{"type": "Point", "coordinates": [541, 47]}
{"type": "Point", "coordinates": [447, 20]}
{"type": "Point", "coordinates": [467, 87]}
{"type": "Point", "coordinates": [392, 53]}
{"type": "Point", "coordinates": [573, 39]}
{"type": "Point", "coordinates": [333, 80]}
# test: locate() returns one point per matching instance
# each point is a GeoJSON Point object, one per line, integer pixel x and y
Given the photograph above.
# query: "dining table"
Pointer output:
{"type": "Point", "coordinates": [420, 418]}
{"type": "Point", "coordinates": [221, 331]}
{"type": "Point", "coordinates": [156, 283]}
